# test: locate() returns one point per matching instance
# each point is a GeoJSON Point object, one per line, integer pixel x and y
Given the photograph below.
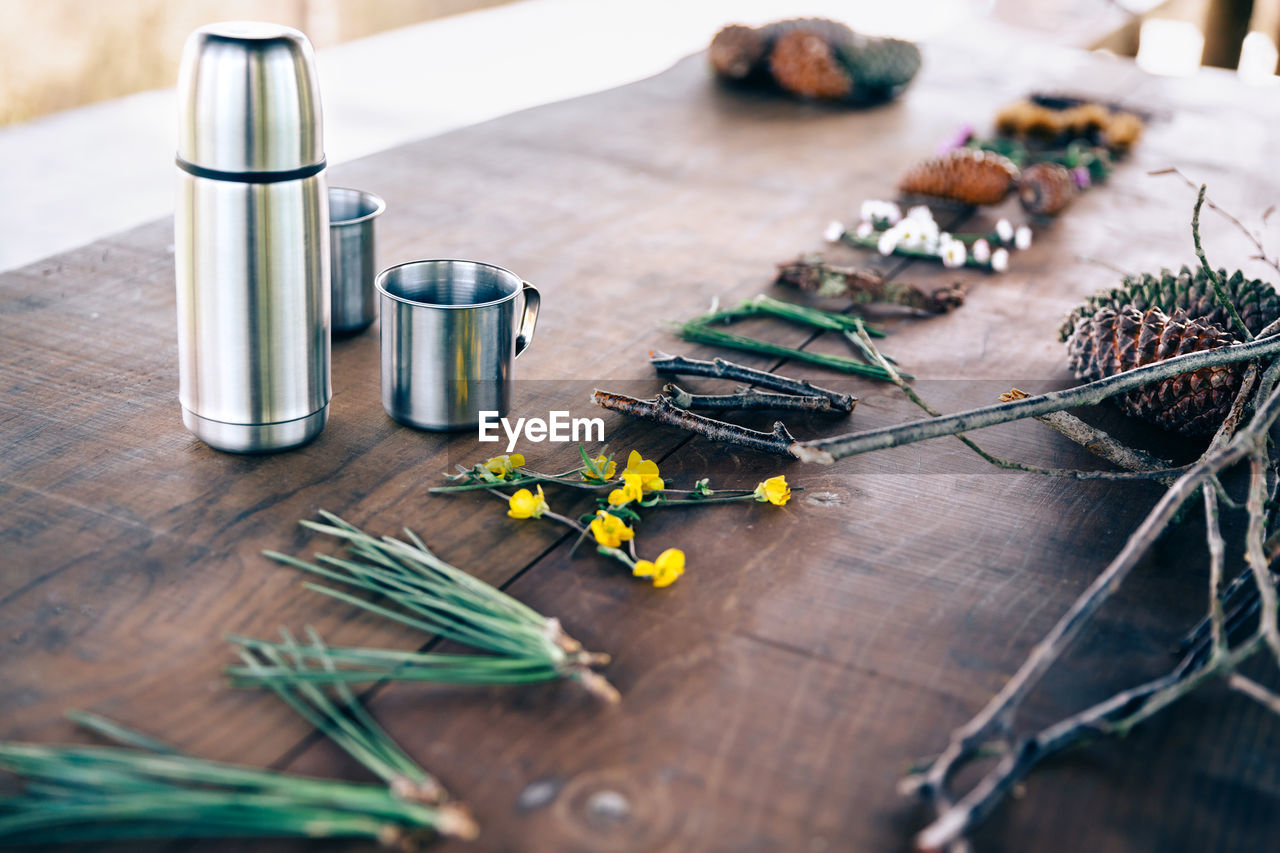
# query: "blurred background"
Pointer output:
{"type": "Point", "coordinates": [86, 101]}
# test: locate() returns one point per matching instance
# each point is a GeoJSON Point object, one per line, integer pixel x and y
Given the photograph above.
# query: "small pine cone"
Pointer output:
{"type": "Point", "coordinates": [880, 67]}
{"type": "Point", "coordinates": [1046, 189]}
{"type": "Point", "coordinates": [805, 63]}
{"type": "Point", "coordinates": [966, 175]}
{"type": "Point", "coordinates": [1112, 341]}
{"type": "Point", "coordinates": [1255, 300]}
{"type": "Point", "coordinates": [738, 53]}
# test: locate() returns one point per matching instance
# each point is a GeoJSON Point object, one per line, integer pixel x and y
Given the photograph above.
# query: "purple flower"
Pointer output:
{"type": "Point", "coordinates": [1081, 175]}
{"type": "Point", "coordinates": [958, 140]}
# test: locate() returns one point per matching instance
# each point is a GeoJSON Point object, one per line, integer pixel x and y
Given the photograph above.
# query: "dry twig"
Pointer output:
{"type": "Point", "coordinates": [746, 399]}
{"type": "Point", "coordinates": [1096, 441]}
{"type": "Point", "coordinates": [678, 365]}
{"type": "Point", "coordinates": [664, 411]}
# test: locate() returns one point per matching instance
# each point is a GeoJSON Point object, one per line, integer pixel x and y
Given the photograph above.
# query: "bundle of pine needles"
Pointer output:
{"type": "Point", "coordinates": [146, 789]}
{"type": "Point", "coordinates": [518, 644]}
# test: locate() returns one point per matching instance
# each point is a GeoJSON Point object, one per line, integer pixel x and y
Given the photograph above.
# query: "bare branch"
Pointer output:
{"type": "Point", "coordinates": [1096, 441]}
{"type": "Point", "coordinates": [1253, 238]}
{"type": "Point", "coordinates": [748, 400]}
{"type": "Point", "coordinates": [827, 450]}
{"type": "Point", "coordinates": [663, 411]}
{"type": "Point", "coordinates": [1255, 691]}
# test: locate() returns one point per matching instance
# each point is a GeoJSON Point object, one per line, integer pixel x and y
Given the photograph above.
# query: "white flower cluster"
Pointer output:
{"type": "Point", "coordinates": [918, 231]}
{"type": "Point", "coordinates": [881, 214]}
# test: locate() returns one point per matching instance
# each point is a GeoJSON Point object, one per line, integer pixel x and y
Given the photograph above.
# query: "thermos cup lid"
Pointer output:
{"type": "Point", "coordinates": [249, 100]}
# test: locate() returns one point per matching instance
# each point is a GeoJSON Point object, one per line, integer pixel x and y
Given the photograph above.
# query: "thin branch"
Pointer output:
{"type": "Point", "coordinates": [1096, 441]}
{"type": "Point", "coordinates": [748, 400]}
{"type": "Point", "coordinates": [827, 450]}
{"type": "Point", "coordinates": [1254, 556]}
{"type": "Point", "coordinates": [1255, 691]}
{"type": "Point", "coordinates": [1113, 715]}
{"type": "Point", "coordinates": [678, 365]}
{"type": "Point", "coordinates": [878, 357]}
{"type": "Point", "coordinates": [1217, 549]}
{"type": "Point", "coordinates": [1219, 286]}
{"type": "Point", "coordinates": [1253, 238]}
{"type": "Point", "coordinates": [664, 411]}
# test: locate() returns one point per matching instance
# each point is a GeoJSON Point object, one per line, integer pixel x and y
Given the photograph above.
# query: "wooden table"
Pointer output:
{"type": "Point", "coordinates": [774, 696]}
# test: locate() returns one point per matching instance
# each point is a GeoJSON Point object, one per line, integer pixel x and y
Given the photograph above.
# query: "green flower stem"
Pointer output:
{"type": "Point", "coordinates": [1219, 287]}
{"type": "Point", "coordinates": [700, 333]}
{"type": "Point", "coordinates": [529, 479]}
{"type": "Point", "coordinates": [768, 306]}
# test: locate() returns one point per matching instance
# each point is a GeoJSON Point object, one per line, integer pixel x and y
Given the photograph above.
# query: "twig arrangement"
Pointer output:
{"type": "Point", "coordinates": [518, 645]}
{"type": "Point", "coordinates": [1214, 650]}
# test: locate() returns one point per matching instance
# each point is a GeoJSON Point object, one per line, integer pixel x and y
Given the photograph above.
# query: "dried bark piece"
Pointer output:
{"type": "Point", "coordinates": [811, 273]}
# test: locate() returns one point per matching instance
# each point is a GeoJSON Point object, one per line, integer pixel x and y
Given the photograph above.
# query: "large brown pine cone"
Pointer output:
{"type": "Point", "coordinates": [806, 64]}
{"type": "Point", "coordinates": [966, 175]}
{"type": "Point", "coordinates": [1112, 341]}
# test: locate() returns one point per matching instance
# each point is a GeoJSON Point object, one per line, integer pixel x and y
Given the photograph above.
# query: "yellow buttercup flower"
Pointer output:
{"type": "Point", "coordinates": [504, 466]}
{"type": "Point", "coordinates": [609, 530]}
{"type": "Point", "coordinates": [632, 490]}
{"type": "Point", "coordinates": [607, 466]}
{"type": "Point", "coordinates": [526, 504]}
{"type": "Point", "coordinates": [664, 570]}
{"type": "Point", "coordinates": [774, 491]}
{"type": "Point", "coordinates": [646, 470]}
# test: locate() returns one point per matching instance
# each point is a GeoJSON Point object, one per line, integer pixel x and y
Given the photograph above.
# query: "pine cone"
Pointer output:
{"type": "Point", "coordinates": [806, 64]}
{"type": "Point", "coordinates": [737, 53]}
{"type": "Point", "coordinates": [966, 175]}
{"type": "Point", "coordinates": [880, 67]}
{"type": "Point", "coordinates": [1046, 188]}
{"type": "Point", "coordinates": [1112, 341]}
{"type": "Point", "coordinates": [1257, 301]}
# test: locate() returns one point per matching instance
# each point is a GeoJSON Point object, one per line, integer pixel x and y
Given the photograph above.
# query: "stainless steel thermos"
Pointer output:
{"type": "Point", "coordinates": [251, 239]}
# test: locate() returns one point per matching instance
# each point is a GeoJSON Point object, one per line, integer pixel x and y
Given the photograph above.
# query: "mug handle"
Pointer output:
{"type": "Point", "coordinates": [529, 318]}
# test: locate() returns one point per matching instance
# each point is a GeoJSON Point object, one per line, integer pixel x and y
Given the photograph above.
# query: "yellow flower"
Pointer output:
{"type": "Point", "coordinates": [664, 570]}
{"type": "Point", "coordinates": [504, 466]}
{"type": "Point", "coordinates": [525, 504]}
{"type": "Point", "coordinates": [646, 470]}
{"type": "Point", "coordinates": [607, 466]}
{"type": "Point", "coordinates": [609, 530]}
{"type": "Point", "coordinates": [632, 490]}
{"type": "Point", "coordinates": [774, 491]}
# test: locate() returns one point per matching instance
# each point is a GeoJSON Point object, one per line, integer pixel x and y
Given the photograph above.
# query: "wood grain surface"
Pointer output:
{"type": "Point", "coordinates": [773, 697]}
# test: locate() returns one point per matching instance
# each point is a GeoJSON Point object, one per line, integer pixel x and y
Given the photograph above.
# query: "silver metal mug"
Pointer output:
{"type": "Point", "coordinates": [449, 340]}
{"type": "Point", "coordinates": [351, 249]}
